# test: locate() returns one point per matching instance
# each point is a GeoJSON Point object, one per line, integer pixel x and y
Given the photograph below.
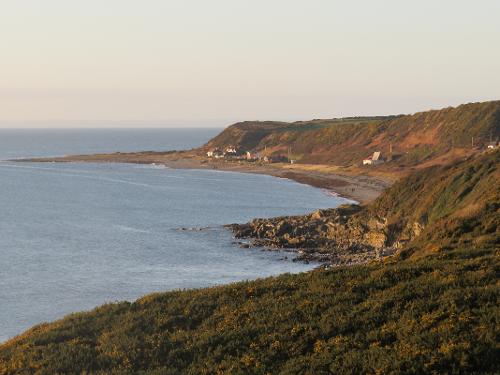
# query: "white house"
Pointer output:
{"type": "Point", "coordinates": [252, 156]}
{"type": "Point", "coordinates": [373, 159]}
{"type": "Point", "coordinates": [215, 153]}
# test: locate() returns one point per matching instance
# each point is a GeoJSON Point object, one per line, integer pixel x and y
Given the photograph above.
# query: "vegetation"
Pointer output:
{"type": "Point", "coordinates": [439, 314]}
{"type": "Point", "coordinates": [414, 215]}
{"type": "Point", "coordinates": [426, 137]}
{"type": "Point", "coordinates": [432, 310]}
{"type": "Point", "coordinates": [444, 205]}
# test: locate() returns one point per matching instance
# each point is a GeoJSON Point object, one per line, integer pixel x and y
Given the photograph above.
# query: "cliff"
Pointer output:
{"type": "Point", "coordinates": [425, 138]}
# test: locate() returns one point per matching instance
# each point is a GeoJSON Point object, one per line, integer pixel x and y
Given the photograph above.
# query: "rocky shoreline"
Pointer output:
{"type": "Point", "coordinates": [346, 235]}
{"type": "Point", "coordinates": [329, 237]}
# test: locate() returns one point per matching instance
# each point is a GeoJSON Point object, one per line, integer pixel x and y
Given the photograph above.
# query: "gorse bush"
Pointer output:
{"type": "Point", "coordinates": [438, 314]}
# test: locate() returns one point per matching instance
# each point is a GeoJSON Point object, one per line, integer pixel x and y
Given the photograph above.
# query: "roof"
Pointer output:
{"type": "Point", "coordinates": [376, 155]}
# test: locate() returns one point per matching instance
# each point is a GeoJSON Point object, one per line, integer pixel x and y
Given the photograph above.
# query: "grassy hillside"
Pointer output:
{"type": "Point", "coordinates": [434, 309]}
{"type": "Point", "coordinates": [433, 136]}
{"type": "Point", "coordinates": [445, 204]}
{"type": "Point", "coordinates": [439, 314]}
{"type": "Point", "coordinates": [438, 207]}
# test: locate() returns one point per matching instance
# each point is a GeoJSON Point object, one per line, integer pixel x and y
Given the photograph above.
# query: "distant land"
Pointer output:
{"type": "Point", "coordinates": [329, 153]}
{"type": "Point", "coordinates": [421, 139]}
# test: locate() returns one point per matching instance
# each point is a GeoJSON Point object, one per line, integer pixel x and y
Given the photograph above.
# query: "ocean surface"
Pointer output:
{"type": "Point", "coordinates": [74, 236]}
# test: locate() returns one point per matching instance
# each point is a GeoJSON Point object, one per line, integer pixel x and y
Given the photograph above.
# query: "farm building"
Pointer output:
{"type": "Point", "coordinates": [373, 159]}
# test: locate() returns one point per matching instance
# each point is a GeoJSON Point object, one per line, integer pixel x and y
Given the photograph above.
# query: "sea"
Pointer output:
{"type": "Point", "coordinates": [77, 235]}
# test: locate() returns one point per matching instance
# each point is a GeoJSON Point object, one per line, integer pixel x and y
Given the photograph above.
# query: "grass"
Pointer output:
{"type": "Point", "coordinates": [438, 314]}
{"type": "Point", "coordinates": [415, 139]}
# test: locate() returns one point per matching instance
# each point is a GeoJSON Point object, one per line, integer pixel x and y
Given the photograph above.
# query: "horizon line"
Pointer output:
{"type": "Point", "coordinates": [188, 124]}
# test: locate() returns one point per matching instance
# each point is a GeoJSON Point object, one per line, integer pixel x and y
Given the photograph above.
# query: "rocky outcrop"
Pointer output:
{"type": "Point", "coordinates": [344, 235]}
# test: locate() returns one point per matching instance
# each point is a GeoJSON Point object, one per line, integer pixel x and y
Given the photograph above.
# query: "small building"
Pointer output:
{"type": "Point", "coordinates": [215, 153]}
{"type": "Point", "coordinates": [231, 150]}
{"type": "Point", "coordinates": [492, 145]}
{"type": "Point", "coordinates": [373, 159]}
{"type": "Point", "coordinates": [252, 156]}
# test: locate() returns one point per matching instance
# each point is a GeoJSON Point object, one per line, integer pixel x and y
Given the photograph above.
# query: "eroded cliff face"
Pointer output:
{"type": "Point", "coordinates": [344, 235]}
{"type": "Point", "coordinates": [430, 137]}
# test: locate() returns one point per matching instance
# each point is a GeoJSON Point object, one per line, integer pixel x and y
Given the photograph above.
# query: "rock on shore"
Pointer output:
{"type": "Point", "coordinates": [340, 236]}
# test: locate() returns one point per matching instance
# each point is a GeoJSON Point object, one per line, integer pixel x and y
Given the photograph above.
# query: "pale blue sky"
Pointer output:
{"type": "Point", "coordinates": [198, 62]}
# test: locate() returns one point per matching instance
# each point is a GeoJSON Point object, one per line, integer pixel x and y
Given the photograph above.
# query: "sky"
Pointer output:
{"type": "Point", "coordinates": [160, 63]}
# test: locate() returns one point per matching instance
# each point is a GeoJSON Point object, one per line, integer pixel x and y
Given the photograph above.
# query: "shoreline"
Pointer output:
{"type": "Point", "coordinates": [354, 185]}
{"type": "Point", "coordinates": [359, 188]}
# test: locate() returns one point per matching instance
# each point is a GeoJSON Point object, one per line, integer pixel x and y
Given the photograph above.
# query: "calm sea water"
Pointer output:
{"type": "Point", "coordinates": [74, 236]}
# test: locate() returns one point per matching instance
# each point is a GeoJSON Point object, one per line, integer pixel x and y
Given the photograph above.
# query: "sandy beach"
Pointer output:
{"type": "Point", "coordinates": [346, 182]}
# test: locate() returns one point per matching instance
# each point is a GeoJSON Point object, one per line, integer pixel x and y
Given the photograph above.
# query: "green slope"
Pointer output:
{"type": "Point", "coordinates": [436, 315]}
{"type": "Point", "coordinates": [434, 309]}
{"type": "Point", "coordinates": [457, 202]}
{"type": "Point", "coordinates": [438, 207]}
{"type": "Point", "coordinates": [418, 138]}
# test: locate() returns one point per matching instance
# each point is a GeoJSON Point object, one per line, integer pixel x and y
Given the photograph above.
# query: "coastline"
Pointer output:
{"type": "Point", "coordinates": [351, 184]}
{"type": "Point", "coordinates": [355, 185]}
